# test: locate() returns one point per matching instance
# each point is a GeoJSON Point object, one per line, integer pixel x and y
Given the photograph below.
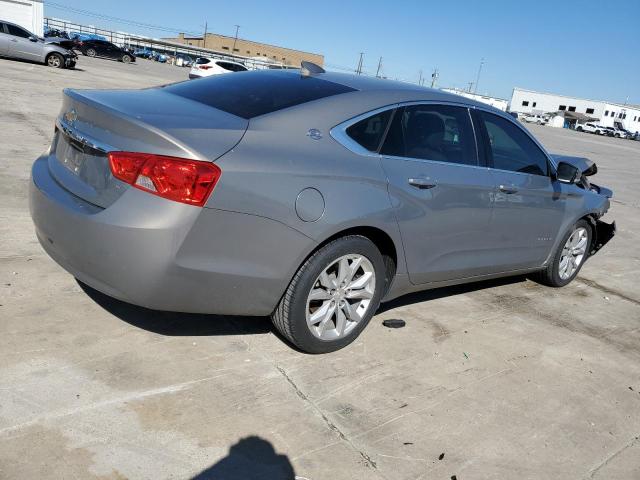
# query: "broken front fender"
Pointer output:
{"type": "Point", "coordinates": [603, 233]}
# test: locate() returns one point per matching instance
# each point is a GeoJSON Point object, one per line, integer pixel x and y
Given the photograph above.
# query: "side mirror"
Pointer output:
{"type": "Point", "coordinates": [567, 173]}
{"type": "Point", "coordinates": [33, 39]}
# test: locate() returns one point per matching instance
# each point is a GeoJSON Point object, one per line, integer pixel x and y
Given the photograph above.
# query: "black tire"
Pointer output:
{"type": "Point", "coordinates": [550, 276]}
{"type": "Point", "coordinates": [126, 59]}
{"type": "Point", "coordinates": [290, 315]}
{"type": "Point", "coordinates": [90, 52]}
{"type": "Point", "coordinates": [579, 129]}
{"type": "Point", "coordinates": [55, 60]}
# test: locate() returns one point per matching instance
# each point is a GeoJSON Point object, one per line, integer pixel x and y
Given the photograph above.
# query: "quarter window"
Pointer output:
{"type": "Point", "coordinates": [369, 132]}
{"type": "Point", "coordinates": [432, 132]}
{"type": "Point", "coordinates": [510, 148]}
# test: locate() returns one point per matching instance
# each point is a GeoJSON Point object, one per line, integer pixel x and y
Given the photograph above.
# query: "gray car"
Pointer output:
{"type": "Point", "coordinates": [16, 42]}
{"type": "Point", "coordinates": [307, 197]}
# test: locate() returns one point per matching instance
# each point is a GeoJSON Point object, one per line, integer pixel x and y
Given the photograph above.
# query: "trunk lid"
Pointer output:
{"type": "Point", "coordinates": [93, 123]}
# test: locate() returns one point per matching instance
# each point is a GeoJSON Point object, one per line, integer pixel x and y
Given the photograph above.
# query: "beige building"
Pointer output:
{"type": "Point", "coordinates": [247, 48]}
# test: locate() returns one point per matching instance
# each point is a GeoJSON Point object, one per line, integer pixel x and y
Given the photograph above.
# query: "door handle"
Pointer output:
{"type": "Point", "coordinates": [508, 189]}
{"type": "Point", "coordinates": [14, 40]}
{"type": "Point", "coordinates": [422, 183]}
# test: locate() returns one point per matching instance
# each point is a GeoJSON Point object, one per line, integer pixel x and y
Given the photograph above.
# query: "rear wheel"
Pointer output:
{"type": "Point", "coordinates": [90, 52]}
{"type": "Point", "coordinates": [55, 60]}
{"type": "Point", "coordinates": [126, 59]}
{"type": "Point", "coordinates": [572, 252]}
{"type": "Point", "coordinates": [332, 296]}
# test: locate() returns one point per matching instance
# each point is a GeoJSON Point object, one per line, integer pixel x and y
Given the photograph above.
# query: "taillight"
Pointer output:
{"type": "Point", "coordinates": [205, 67]}
{"type": "Point", "coordinates": [178, 179]}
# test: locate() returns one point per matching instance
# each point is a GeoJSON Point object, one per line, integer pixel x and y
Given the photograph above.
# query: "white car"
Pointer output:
{"type": "Point", "coordinates": [591, 128]}
{"type": "Point", "coordinates": [539, 119]}
{"type": "Point", "coordinates": [205, 67]}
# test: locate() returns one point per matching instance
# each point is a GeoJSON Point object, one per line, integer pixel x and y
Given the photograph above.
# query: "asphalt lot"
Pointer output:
{"type": "Point", "coordinates": [497, 380]}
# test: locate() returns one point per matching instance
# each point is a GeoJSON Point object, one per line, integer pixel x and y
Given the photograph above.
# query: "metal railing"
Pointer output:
{"type": "Point", "coordinates": [166, 47]}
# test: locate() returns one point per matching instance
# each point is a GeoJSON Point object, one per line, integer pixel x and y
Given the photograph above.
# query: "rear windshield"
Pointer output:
{"type": "Point", "coordinates": [202, 61]}
{"type": "Point", "coordinates": [251, 94]}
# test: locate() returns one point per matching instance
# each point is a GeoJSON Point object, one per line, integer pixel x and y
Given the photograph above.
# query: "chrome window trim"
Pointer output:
{"type": "Point", "coordinates": [339, 134]}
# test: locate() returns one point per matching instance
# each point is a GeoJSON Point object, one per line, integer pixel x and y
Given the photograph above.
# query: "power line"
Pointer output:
{"type": "Point", "coordinates": [125, 21]}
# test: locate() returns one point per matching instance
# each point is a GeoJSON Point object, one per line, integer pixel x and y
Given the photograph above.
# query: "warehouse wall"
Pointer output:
{"type": "Point", "coordinates": [28, 14]}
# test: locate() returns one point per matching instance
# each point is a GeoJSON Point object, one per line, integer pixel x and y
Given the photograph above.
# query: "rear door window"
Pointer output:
{"type": "Point", "coordinates": [257, 93]}
{"type": "Point", "coordinates": [432, 132]}
{"type": "Point", "coordinates": [508, 147]}
{"type": "Point", "coordinates": [17, 31]}
{"type": "Point", "coordinates": [369, 132]}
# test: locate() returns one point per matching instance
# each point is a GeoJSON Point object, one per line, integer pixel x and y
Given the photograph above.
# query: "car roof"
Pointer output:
{"type": "Point", "coordinates": [409, 91]}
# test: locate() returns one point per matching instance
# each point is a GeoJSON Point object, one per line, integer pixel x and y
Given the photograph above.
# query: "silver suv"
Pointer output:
{"type": "Point", "coordinates": [16, 42]}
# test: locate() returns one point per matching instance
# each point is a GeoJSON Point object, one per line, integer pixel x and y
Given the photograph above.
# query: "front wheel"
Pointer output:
{"type": "Point", "coordinates": [126, 59]}
{"type": "Point", "coordinates": [55, 60]}
{"type": "Point", "coordinates": [572, 252]}
{"type": "Point", "coordinates": [332, 296]}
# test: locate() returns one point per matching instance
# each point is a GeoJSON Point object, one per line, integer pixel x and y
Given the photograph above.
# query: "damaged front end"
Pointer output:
{"type": "Point", "coordinates": [602, 231]}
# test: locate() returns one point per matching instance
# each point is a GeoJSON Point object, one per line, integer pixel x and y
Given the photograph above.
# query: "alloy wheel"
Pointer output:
{"type": "Point", "coordinates": [340, 297]}
{"type": "Point", "coordinates": [573, 253]}
{"type": "Point", "coordinates": [54, 61]}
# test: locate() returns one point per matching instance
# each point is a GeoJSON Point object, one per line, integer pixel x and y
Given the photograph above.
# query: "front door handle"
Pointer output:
{"type": "Point", "coordinates": [508, 189]}
{"type": "Point", "coordinates": [14, 40]}
{"type": "Point", "coordinates": [422, 183]}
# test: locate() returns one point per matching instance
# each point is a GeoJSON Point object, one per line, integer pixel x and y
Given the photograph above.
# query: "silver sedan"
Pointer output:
{"type": "Point", "coordinates": [306, 196]}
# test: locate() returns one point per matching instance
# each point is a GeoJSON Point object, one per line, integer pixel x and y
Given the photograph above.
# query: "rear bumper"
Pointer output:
{"type": "Point", "coordinates": [165, 255]}
{"type": "Point", "coordinates": [192, 76]}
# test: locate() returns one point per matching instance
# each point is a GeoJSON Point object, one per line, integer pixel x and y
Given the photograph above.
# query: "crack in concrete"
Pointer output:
{"type": "Point", "coordinates": [610, 291]}
{"type": "Point", "coordinates": [368, 461]}
{"type": "Point", "coordinates": [608, 460]}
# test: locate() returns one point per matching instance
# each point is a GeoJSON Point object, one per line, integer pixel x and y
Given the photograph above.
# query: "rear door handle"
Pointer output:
{"type": "Point", "coordinates": [508, 189]}
{"type": "Point", "coordinates": [422, 183]}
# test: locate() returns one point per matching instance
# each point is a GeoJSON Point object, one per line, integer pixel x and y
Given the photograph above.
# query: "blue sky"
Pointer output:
{"type": "Point", "coordinates": [587, 48]}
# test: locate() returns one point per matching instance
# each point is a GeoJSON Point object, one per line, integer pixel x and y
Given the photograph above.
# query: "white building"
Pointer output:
{"type": "Point", "coordinates": [498, 103]}
{"type": "Point", "coordinates": [26, 13]}
{"type": "Point", "coordinates": [576, 110]}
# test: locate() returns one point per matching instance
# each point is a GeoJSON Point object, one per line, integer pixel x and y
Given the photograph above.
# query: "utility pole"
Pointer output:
{"type": "Point", "coordinates": [204, 38]}
{"type": "Point", "coordinates": [359, 69]}
{"type": "Point", "coordinates": [235, 38]}
{"type": "Point", "coordinates": [420, 78]}
{"type": "Point", "coordinates": [470, 86]}
{"type": "Point", "coordinates": [475, 90]}
{"type": "Point", "coordinates": [434, 77]}
{"type": "Point", "coordinates": [380, 68]}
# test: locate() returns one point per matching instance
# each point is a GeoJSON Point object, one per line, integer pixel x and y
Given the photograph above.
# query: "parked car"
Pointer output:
{"type": "Point", "coordinates": [102, 48]}
{"type": "Point", "coordinates": [183, 60]}
{"type": "Point", "coordinates": [538, 119]}
{"type": "Point", "coordinates": [590, 128]}
{"type": "Point", "coordinates": [205, 67]}
{"type": "Point", "coordinates": [85, 36]}
{"type": "Point", "coordinates": [54, 32]}
{"type": "Point", "coordinates": [16, 42]}
{"type": "Point", "coordinates": [622, 133]}
{"type": "Point", "coordinates": [304, 195]}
